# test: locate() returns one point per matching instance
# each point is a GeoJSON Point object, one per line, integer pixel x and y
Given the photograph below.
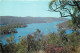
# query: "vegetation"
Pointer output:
{"type": "Point", "coordinates": [70, 24]}
{"type": "Point", "coordinates": [67, 8]}
{"type": "Point", "coordinates": [28, 20]}
{"type": "Point", "coordinates": [10, 28]}
{"type": "Point", "coordinates": [50, 43]}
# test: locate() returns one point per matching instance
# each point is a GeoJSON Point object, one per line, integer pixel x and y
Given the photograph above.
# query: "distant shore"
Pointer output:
{"type": "Point", "coordinates": [11, 22]}
{"type": "Point", "coordinates": [64, 25]}
{"type": "Point", "coordinates": [28, 20]}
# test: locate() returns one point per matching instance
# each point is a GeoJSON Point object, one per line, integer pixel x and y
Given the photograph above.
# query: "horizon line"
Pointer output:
{"type": "Point", "coordinates": [30, 16]}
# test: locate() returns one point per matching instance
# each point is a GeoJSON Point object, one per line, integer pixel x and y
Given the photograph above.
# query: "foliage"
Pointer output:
{"type": "Point", "coordinates": [74, 41]}
{"type": "Point", "coordinates": [70, 24]}
{"type": "Point", "coordinates": [67, 8]}
{"type": "Point", "coordinates": [49, 43]}
{"type": "Point", "coordinates": [11, 39]}
{"type": "Point", "coordinates": [10, 46]}
{"type": "Point", "coordinates": [10, 28]}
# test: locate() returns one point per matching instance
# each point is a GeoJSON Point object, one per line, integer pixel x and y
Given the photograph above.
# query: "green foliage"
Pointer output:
{"type": "Point", "coordinates": [10, 28]}
{"type": "Point", "coordinates": [21, 47]}
{"type": "Point", "coordinates": [10, 46]}
{"type": "Point", "coordinates": [67, 8]}
{"type": "Point", "coordinates": [50, 42]}
{"type": "Point", "coordinates": [53, 39]}
{"type": "Point", "coordinates": [70, 24]}
{"type": "Point", "coordinates": [10, 40]}
{"type": "Point", "coordinates": [7, 30]}
{"type": "Point", "coordinates": [22, 50]}
{"type": "Point", "coordinates": [16, 25]}
{"type": "Point", "coordinates": [74, 41]}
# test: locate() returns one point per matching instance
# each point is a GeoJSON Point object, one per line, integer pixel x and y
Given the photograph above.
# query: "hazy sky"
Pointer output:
{"type": "Point", "coordinates": [35, 8]}
{"type": "Point", "coordinates": [25, 0]}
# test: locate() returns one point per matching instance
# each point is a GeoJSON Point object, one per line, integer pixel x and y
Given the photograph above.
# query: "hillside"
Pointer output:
{"type": "Point", "coordinates": [28, 20]}
{"type": "Point", "coordinates": [64, 25]}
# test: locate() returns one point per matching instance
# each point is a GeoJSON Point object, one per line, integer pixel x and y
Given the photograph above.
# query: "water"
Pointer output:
{"type": "Point", "coordinates": [45, 28]}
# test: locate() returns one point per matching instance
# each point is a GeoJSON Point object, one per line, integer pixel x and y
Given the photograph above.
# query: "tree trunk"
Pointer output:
{"type": "Point", "coordinates": [1, 48]}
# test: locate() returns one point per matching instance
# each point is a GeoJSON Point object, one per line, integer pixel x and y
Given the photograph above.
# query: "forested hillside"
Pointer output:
{"type": "Point", "coordinates": [28, 20]}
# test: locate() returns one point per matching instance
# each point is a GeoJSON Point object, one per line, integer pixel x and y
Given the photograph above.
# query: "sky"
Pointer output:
{"type": "Point", "coordinates": [24, 0]}
{"type": "Point", "coordinates": [34, 8]}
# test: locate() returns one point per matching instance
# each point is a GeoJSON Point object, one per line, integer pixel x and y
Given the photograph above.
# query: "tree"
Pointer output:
{"type": "Point", "coordinates": [37, 34]}
{"type": "Point", "coordinates": [74, 41]}
{"type": "Point", "coordinates": [11, 39]}
{"type": "Point", "coordinates": [1, 48]}
{"type": "Point", "coordinates": [10, 46]}
{"type": "Point", "coordinates": [62, 34]}
{"type": "Point", "coordinates": [67, 8]}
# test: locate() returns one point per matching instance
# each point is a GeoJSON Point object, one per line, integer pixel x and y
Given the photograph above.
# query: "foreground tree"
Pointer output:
{"type": "Point", "coordinates": [1, 48]}
{"type": "Point", "coordinates": [67, 8]}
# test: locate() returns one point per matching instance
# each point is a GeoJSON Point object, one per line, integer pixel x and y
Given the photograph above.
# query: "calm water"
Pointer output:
{"type": "Point", "coordinates": [31, 28]}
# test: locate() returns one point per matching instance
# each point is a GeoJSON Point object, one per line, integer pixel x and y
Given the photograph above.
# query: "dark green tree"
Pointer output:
{"type": "Point", "coordinates": [67, 8]}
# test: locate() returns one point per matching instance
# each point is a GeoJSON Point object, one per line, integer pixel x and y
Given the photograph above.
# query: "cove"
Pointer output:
{"type": "Point", "coordinates": [45, 28]}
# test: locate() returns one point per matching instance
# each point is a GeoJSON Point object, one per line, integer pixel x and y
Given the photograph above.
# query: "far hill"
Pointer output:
{"type": "Point", "coordinates": [28, 20]}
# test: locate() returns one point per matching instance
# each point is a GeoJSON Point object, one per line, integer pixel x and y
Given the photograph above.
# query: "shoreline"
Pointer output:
{"type": "Point", "coordinates": [10, 28]}
{"type": "Point", "coordinates": [64, 25]}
